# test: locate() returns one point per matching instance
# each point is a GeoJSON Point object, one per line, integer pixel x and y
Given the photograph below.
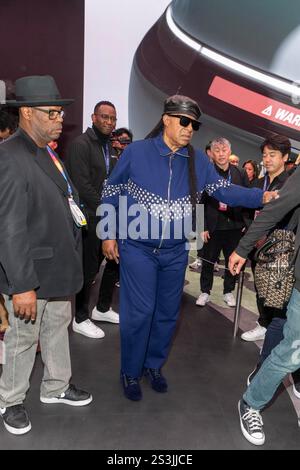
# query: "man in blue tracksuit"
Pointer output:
{"type": "Point", "coordinates": [163, 176]}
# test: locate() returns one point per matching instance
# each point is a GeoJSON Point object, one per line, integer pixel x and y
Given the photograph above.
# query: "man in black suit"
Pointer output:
{"type": "Point", "coordinates": [90, 161]}
{"type": "Point", "coordinates": [40, 256]}
{"type": "Point", "coordinates": [222, 224]}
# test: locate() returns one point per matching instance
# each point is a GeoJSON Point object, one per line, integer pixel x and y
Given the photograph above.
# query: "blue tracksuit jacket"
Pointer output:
{"type": "Point", "coordinates": [156, 178]}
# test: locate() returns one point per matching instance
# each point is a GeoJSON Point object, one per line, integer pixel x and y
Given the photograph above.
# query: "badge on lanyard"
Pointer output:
{"type": "Point", "coordinates": [106, 157]}
{"type": "Point", "coordinates": [222, 207]}
{"type": "Point", "coordinates": [77, 214]}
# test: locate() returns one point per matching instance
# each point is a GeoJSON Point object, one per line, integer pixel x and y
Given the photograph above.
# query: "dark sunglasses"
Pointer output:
{"type": "Point", "coordinates": [184, 121]}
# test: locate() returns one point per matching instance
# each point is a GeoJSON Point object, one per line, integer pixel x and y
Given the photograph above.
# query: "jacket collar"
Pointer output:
{"type": "Point", "coordinates": [103, 138]}
{"type": "Point", "coordinates": [165, 151]}
{"type": "Point", "coordinates": [279, 179]}
{"type": "Point", "coordinates": [29, 141]}
{"type": "Point", "coordinates": [90, 132]}
{"type": "Point", "coordinates": [44, 161]}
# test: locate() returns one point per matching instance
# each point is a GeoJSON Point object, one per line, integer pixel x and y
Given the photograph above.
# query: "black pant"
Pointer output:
{"type": "Point", "coordinates": [226, 240]}
{"type": "Point", "coordinates": [92, 259]}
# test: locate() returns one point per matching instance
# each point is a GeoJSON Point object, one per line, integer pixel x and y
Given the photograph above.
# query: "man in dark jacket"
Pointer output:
{"type": "Point", "coordinates": [40, 254]}
{"type": "Point", "coordinates": [285, 357]}
{"type": "Point", "coordinates": [90, 161]}
{"type": "Point", "coordinates": [275, 152]}
{"type": "Point", "coordinates": [222, 224]}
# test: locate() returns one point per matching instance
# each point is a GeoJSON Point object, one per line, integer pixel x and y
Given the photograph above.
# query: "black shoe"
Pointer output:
{"type": "Point", "coordinates": [131, 386]}
{"type": "Point", "coordinates": [158, 382]}
{"type": "Point", "coordinates": [72, 396]}
{"type": "Point", "coordinates": [251, 424]}
{"type": "Point", "coordinates": [15, 419]}
{"type": "Point", "coordinates": [252, 375]}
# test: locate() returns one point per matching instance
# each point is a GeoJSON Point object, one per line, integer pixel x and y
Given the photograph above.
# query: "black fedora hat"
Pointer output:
{"type": "Point", "coordinates": [37, 90]}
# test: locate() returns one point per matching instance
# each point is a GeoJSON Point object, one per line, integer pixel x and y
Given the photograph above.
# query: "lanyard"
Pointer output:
{"type": "Point", "coordinates": [106, 157]}
{"type": "Point", "coordinates": [223, 207]}
{"type": "Point", "coordinates": [60, 169]}
{"type": "Point", "coordinates": [266, 183]}
{"type": "Point", "coordinates": [223, 175]}
{"type": "Point", "coordinates": [229, 176]}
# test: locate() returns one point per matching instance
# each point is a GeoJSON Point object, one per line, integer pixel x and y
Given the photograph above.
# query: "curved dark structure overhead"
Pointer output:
{"type": "Point", "coordinates": [238, 60]}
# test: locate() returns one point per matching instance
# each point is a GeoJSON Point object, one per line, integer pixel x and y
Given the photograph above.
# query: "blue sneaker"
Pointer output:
{"type": "Point", "coordinates": [131, 386]}
{"type": "Point", "coordinates": [157, 380]}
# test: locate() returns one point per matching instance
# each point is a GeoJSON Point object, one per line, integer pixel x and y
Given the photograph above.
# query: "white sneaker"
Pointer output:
{"type": "Point", "coordinates": [229, 299]}
{"type": "Point", "coordinates": [196, 265]}
{"type": "Point", "coordinates": [111, 316]}
{"type": "Point", "coordinates": [202, 299]}
{"type": "Point", "coordinates": [88, 328]}
{"type": "Point", "coordinates": [255, 334]}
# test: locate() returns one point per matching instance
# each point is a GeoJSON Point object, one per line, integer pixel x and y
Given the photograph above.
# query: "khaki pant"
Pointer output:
{"type": "Point", "coordinates": [21, 339]}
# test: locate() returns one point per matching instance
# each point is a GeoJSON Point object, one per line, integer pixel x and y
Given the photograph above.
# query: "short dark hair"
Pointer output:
{"type": "Point", "coordinates": [105, 103]}
{"type": "Point", "coordinates": [123, 130]}
{"type": "Point", "coordinates": [277, 142]}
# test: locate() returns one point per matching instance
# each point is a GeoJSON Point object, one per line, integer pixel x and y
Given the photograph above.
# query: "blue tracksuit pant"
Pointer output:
{"type": "Point", "coordinates": [150, 297]}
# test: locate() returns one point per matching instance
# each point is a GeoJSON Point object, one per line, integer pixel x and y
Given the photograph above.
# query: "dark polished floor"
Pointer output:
{"type": "Point", "coordinates": [206, 371]}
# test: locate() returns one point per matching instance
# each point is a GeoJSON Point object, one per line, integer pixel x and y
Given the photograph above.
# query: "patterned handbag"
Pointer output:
{"type": "Point", "coordinates": [274, 270]}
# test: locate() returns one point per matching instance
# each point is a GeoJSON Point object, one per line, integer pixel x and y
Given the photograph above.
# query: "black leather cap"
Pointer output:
{"type": "Point", "coordinates": [179, 104]}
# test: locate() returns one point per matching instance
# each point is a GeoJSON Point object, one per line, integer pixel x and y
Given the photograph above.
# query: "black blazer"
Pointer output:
{"type": "Point", "coordinates": [40, 246]}
{"type": "Point", "coordinates": [211, 205]}
{"type": "Point", "coordinates": [86, 166]}
{"type": "Point", "coordinates": [271, 215]}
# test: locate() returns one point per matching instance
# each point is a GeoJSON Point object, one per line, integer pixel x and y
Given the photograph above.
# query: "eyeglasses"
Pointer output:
{"type": "Point", "coordinates": [107, 117]}
{"type": "Point", "coordinates": [52, 113]}
{"type": "Point", "coordinates": [184, 121]}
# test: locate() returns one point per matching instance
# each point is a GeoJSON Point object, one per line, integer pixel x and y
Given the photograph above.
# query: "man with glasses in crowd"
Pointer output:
{"type": "Point", "coordinates": [164, 176]}
{"type": "Point", "coordinates": [40, 256]}
{"type": "Point", "coordinates": [90, 160]}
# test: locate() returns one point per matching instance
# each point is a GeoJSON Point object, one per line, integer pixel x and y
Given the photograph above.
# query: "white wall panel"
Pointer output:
{"type": "Point", "coordinates": [113, 31]}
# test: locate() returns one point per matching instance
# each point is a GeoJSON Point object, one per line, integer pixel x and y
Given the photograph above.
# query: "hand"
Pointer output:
{"type": "Point", "coordinates": [110, 250]}
{"type": "Point", "coordinates": [3, 316]}
{"type": "Point", "coordinates": [269, 195]}
{"type": "Point", "coordinates": [205, 236]}
{"type": "Point", "coordinates": [236, 262]}
{"type": "Point", "coordinates": [25, 305]}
